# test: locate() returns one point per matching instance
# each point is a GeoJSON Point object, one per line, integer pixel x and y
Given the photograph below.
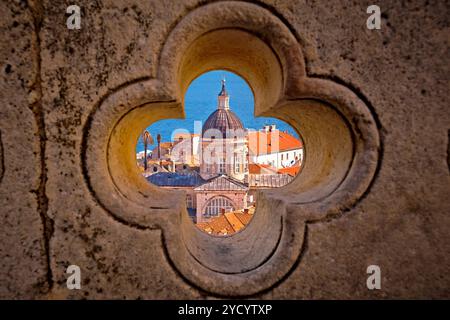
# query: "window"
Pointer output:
{"type": "Point", "coordinates": [237, 164]}
{"type": "Point", "coordinates": [215, 206]}
{"type": "Point", "coordinates": [221, 165]}
{"type": "Point", "coordinates": [189, 201]}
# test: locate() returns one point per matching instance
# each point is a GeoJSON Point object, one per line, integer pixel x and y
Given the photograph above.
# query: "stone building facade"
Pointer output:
{"type": "Point", "coordinates": [273, 147]}
{"type": "Point", "coordinates": [372, 104]}
{"type": "Point", "coordinates": [219, 195]}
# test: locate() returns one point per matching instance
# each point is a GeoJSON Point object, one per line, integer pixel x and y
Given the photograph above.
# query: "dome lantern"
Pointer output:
{"type": "Point", "coordinates": [223, 98]}
{"type": "Point", "coordinates": [223, 119]}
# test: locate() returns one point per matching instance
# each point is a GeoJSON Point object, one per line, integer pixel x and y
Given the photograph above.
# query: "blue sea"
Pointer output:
{"type": "Point", "coordinates": [201, 101]}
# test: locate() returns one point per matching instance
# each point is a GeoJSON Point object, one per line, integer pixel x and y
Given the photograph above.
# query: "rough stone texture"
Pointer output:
{"type": "Point", "coordinates": [51, 77]}
{"type": "Point", "coordinates": [23, 260]}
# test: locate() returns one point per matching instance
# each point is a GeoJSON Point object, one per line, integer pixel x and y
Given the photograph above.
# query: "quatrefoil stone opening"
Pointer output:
{"type": "Point", "coordinates": [337, 128]}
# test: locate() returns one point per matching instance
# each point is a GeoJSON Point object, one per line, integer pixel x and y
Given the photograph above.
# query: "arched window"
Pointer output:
{"type": "Point", "coordinates": [215, 206]}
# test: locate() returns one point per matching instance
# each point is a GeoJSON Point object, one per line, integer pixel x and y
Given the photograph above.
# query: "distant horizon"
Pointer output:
{"type": "Point", "coordinates": [201, 100]}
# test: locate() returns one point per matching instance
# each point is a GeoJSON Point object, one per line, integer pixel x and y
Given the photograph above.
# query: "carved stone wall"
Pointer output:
{"type": "Point", "coordinates": [373, 111]}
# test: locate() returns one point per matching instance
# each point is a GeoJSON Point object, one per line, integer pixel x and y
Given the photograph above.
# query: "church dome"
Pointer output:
{"type": "Point", "coordinates": [223, 119]}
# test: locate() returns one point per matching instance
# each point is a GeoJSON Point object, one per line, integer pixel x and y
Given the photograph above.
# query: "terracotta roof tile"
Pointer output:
{"type": "Point", "coordinates": [260, 142]}
{"type": "Point", "coordinates": [234, 221]}
{"type": "Point", "coordinates": [244, 217]}
{"type": "Point", "coordinates": [292, 171]}
{"type": "Point", "coordinates": [227, 223]}
{"type": "Point", "coordinates": [217, 226]}
{"type": "Point", "coordinates": [258, 168]}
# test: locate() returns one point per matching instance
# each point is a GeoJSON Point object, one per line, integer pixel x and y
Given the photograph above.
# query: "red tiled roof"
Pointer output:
{"type": "Point", "coordinates": [292, 171]}
{"type": "Point", "coordinates": [217, 225]}
{"type": "Point", "coordinates": [244, 217]}
{"type": "Point", "coordinates": [260, 142]}
{"type": "Point", "coordinates": [227, 223]}
{"type": "Point", "coordinates": [257, 168]}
